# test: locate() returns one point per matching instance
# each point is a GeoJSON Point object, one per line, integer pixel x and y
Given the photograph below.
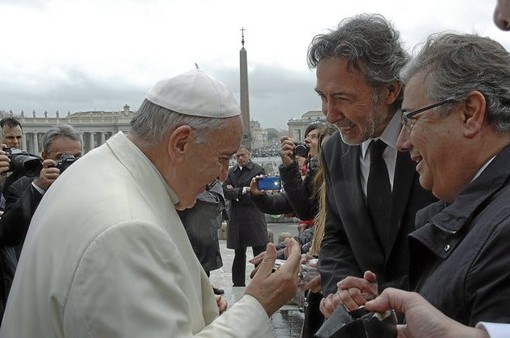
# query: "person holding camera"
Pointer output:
{"type": "Point", "coordinates": [300, 190]}
{"type": "Point", "coordinates": [12, 138]}
{"type": "Point", "coordinates": [7, 254]}
{"type": "Point", "coordinates": [300, 196]}
{"type": "Point", "coordinates": [61, 146]}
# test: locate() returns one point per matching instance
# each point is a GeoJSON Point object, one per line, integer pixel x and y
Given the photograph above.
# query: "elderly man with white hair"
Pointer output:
{"type": "Point", "coordinates": [106, 254]}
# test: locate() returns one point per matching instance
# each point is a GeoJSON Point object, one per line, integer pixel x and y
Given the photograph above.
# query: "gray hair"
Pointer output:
{"type": "Point", "coordinates": [152, 123]}
{"type": "Point", "coordinates": [62, 130]}
{"type": "Point", "coordinates": [369, 44]}
{"type": "Point", "coordinates": [457, 64]}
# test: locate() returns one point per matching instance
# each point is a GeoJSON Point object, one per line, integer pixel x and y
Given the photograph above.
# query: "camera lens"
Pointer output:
{"type": "Point", "coordinates": [301, 150]}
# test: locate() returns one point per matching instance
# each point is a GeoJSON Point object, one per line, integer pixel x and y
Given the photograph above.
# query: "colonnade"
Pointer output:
{"type": "Point", "coordinates": [32, 141]}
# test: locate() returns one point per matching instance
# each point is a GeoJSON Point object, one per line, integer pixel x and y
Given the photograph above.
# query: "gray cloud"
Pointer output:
{"type": "Point", "coordinates": [276, 95]}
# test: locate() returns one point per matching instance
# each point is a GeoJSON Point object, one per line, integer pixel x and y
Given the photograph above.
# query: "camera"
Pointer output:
{"type": "Point", "coordinates": [301, 149]}
{"type": "Point", "coordinates": [65, 161]}
{"type": "Point", "coordinates": [23, 163]}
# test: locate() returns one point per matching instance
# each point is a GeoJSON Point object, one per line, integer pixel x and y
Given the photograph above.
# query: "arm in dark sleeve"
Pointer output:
{"type": "Point", "coordinates": [20, 207]}
{"type": "Point", "coordinates": [273, 204]}
{"type": "Point", "coordinates": [231, 193]}
{"type": "Point", "coordinates": [336, 258]}
{"type": "Point", "coordinates": [299, 191]}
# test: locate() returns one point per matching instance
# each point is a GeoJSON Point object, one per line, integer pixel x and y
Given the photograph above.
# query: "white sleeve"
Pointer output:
{"type": "Point", "coordinates": [495, 330]}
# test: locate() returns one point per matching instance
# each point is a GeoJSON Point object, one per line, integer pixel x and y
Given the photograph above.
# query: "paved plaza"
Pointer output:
{"type": "Point", "coordinates": [288, 320]}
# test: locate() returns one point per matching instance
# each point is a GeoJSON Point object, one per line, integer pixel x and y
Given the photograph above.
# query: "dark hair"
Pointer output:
{"type": "Point", "coordinates": [369, 44]}
{"type": "Point", "coordinates": [312, 126]}
{"type": "Point", "coordinates": [11, 122]}
{"type": "Point", "coordinates": [457, 64]}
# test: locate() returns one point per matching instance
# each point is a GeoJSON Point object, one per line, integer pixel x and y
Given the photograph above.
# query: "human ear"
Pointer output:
{"type": "Point", "coordinates": [474, 109]}
{"type": "Point", "coordinates": [178, 143]}
{"type": "Point", "coordinates": [392, 92]}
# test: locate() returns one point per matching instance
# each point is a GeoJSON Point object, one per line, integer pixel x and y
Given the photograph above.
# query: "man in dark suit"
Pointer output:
{"type": "Point", "coordinates": [247, 225]}
{"type": "Point", "coordinates": [372, 196]}
{"type": "Point", "coordinates": [61, 146]}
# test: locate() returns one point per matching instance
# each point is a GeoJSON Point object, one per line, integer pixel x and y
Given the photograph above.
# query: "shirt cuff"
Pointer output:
{"type": "Point", "coordinates": [41, 191]}
{"type": "Point", "coordinates": [495, 330]}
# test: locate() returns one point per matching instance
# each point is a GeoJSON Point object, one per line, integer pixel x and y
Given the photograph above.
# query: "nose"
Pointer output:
{"type": "Point", "coordinates": [404, 140]}
{"type": "Point", "coordinates": [501, 20]}
{"type": "Point", "coordinates": [329, 110]}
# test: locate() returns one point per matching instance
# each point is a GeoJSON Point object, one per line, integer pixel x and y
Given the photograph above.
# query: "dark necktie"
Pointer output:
{"type": "Point", "coordinates": [379, 191]}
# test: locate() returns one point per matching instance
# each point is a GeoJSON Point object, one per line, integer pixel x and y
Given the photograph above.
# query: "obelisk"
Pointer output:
{"type": "Point", "coordinates": [245, 102]}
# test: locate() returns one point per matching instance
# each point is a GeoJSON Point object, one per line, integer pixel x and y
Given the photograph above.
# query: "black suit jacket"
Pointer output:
{"type": "Point", "coordinates": [247, 225]}
{"type": "Point", "coordinates": [21, 200]}
{"type": "Point", "coordinates": [351, 245]}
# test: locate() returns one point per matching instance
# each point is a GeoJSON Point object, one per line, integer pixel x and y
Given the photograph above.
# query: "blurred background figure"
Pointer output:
{"type": "Point", "coordinates": [201, 223]}
{"type": "Point", "coordinates": [247, 225]}
{"type": "Point", "coordinates": [301, 197]}
{"type": "Point", "coordinates": [61, 147]}
{"type": "Point", "coordinates": [12, 132]}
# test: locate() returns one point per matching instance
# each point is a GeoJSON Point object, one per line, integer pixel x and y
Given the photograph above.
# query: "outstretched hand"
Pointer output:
{"type": "Point", "coordinates": [422, 319]}
{"type": "Point", "coordinates": [275, 289]}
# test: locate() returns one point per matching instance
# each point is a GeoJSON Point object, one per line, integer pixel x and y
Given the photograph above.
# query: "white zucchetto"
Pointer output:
{"type": "Point", "coordinates": [195, 93]}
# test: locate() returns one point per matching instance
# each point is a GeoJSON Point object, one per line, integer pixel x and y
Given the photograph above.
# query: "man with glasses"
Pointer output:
{"type": "Point", "coordinates": [373, 191]}
{"type": "Point", "coordinates": [457, 129]}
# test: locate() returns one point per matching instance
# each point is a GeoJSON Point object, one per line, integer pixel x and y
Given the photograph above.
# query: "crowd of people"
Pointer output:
{"type": "Point", "coordinates": [403, 197]}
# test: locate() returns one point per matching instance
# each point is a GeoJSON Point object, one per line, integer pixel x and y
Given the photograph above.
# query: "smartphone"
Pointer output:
{"type": "Point", "coordinates": [269, 183]}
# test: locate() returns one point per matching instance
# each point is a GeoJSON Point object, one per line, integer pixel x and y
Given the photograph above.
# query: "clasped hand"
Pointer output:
{"type": "Point", "coordinates": [352, 293]}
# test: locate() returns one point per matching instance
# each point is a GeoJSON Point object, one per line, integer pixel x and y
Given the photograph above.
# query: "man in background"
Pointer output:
{"type": "Point", "coordinates": [247, 225]}
{"type": "Point", "coordinates": [13, 139]}
{"type": "Point", "coordinates": [61, 147]}
{"type": "Point", "coordinates": [13, 132]}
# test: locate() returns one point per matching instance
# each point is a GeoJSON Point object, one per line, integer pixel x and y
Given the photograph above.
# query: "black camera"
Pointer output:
{"type": "Point", "coordinates": [301, 149]}
{"type": "Point", "coordinates": [23, 163]}
{"type": "Point", "coordinates": [65, 161]}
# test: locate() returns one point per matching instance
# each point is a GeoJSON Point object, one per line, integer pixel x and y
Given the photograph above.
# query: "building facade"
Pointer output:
{"type": "Point", "coordinates": [297, 126]}
{"type": "Point", "coordinates": [95, 127]}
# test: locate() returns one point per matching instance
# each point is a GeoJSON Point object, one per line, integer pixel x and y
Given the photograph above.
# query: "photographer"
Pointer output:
{"type": "Point", "coordinates": [61, 146]}
{"type": "Point", "coordinates": [12, 132]}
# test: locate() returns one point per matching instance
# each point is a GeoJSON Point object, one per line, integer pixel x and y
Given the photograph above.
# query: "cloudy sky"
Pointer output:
{"type": "Point", "coordinates": [83, 55]}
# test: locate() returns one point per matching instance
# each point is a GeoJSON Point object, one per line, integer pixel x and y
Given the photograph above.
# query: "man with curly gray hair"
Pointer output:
{"type": "Point", "coordinates": [373, 191]}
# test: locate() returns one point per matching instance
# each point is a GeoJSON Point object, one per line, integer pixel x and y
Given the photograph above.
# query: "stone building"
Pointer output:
{"type": "Point", "coordinates": [95, 127]}
{"type": "Point", "coordinates": [297, 126]}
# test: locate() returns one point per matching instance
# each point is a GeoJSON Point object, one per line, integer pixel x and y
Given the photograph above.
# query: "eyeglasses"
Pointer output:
{"type": "Point", "coordinates": [409, 119]}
